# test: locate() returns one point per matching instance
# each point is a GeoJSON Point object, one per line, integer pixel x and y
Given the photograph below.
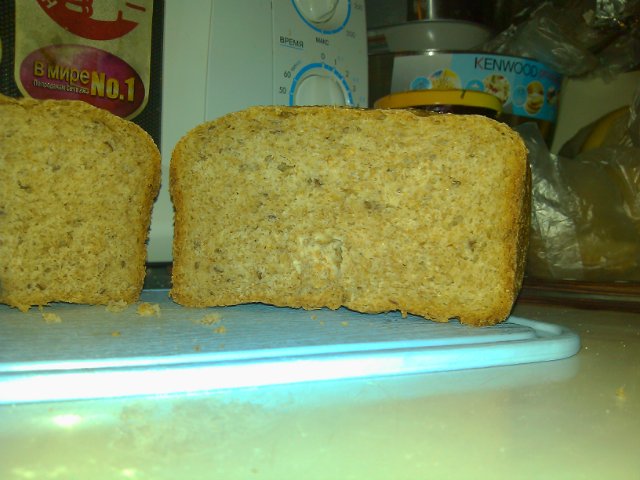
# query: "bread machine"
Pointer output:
{"type": "Point", "coordinates": [223, 55]}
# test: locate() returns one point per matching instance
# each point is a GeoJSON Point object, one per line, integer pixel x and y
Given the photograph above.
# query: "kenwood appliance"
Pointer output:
{"type": "Point", "coordinates": [224, 55]}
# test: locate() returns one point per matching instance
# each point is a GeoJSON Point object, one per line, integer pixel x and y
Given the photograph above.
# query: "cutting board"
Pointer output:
{"type": "Point", "coordinates": [65, 352]}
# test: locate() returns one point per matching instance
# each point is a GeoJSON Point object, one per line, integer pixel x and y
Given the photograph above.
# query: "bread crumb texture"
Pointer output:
{"type": "Point", "coordinates": [76, 189]}
{"type": "Point", "coordinates": [211, 319]}
{"type": "Point", "coordinates": [50, 317]}
{"type": "Point", "coordinates": [148, 309]}
{"type": "Point", "coordinates": [372, 210]}
{"type": "Point", "coordinates": [116, 307]}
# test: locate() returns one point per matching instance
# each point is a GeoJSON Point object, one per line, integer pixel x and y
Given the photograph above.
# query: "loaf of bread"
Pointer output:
{"type": "Point", "coordinates": [375, 211]}
{"type": "Point", "coordinates": [77, 185]}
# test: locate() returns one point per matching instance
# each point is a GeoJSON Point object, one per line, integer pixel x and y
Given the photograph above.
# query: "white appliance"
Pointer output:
{"type": "Point", "coordinates": [225, 55]}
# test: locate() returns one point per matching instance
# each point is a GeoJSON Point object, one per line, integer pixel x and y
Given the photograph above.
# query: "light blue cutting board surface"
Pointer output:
{"type": "Point", "coordinates": [93, 353]}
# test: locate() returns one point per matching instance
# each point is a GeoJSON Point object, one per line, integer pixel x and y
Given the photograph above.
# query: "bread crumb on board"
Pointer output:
{"type": "Point", "coordinates": [148, 309]}
{"type": "Point", "coordinates": [211, 319]}
{"type": "Point", "coordinates": [116, 307]}
{"type": "Point", "coordinates": [50, 317]}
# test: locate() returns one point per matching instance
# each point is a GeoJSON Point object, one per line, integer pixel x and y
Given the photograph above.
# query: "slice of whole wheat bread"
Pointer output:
{"type": "Point", "coordinates": [372, 210]}
{"type": "Point", "coordinates": [77, 185]}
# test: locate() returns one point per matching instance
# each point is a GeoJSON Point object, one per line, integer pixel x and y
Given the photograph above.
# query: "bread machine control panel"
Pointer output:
{"type": "Point", "coordinates": [319, 52]}
{"type": "Point", "coordinates": [221, 56]}
{"type": "Point", "coordinates": [286, 52]}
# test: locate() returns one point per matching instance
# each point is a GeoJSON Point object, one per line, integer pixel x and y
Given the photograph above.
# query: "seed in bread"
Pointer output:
{"type": "Point", "coordinates": [77, 185]}
{"type": "Point", "coordinates": [372, 210]}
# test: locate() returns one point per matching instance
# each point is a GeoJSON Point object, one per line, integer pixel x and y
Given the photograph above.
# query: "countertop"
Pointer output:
{"type": "Point", "coordinates": [573, 418]}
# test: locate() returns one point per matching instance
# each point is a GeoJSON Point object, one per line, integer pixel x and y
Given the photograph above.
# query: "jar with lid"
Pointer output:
{"type": "Point", "coordinates": [468, 102]}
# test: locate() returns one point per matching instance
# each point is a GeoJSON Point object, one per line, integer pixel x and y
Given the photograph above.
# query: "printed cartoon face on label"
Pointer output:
{"type": "Point", "coordinates": [535, 97]}
{"type": "Point", "coordinates": [82, 19]}
{"type": "Point", "coordinates": [77, 72]}
{"type": "Point", "coordinates": [499, 86]}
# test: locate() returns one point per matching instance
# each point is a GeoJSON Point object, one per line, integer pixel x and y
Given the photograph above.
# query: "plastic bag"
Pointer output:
{"type": "Point", "coordinates": [585, 221]}
{"type": "Point", "coordinates": [543, 38]}
{"type": "Point", "coordinates": [577, 38]}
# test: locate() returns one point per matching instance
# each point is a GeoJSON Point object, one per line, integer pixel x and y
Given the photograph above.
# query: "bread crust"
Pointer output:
{"type": "Point", "coordinates": [192, 158]}
{"type": "Point", "coordinates": [24, 152]}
